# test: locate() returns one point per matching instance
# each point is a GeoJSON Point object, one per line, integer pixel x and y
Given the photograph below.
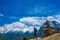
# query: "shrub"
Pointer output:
{"type": "Point", "coordinates": [25, 38]}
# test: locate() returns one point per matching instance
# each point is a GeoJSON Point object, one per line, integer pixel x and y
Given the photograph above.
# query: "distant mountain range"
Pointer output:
{"type": "Point", "coordinates": [53, 24]}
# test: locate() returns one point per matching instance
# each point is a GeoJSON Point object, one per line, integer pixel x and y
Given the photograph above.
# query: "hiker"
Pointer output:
{"type": "Point", "coordinates": [35, 33]}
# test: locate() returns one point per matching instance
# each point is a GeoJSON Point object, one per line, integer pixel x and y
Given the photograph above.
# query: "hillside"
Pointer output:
{"type": "Point", "coordinates": [55, 36]}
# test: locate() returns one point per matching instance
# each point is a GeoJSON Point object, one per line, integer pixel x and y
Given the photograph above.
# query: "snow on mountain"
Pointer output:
{"type": "Point", "coordinates": [28, 23]}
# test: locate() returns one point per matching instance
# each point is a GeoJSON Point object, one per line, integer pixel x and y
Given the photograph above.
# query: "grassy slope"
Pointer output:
{"type": "Point", "coordinates": [55, 36]}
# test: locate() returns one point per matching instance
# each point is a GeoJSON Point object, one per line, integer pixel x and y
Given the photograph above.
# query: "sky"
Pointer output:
{"type": "Point", "coordinates": [25, 12]}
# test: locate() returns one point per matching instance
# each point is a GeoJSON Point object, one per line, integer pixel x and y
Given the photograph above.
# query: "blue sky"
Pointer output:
{"type": "Point", "coordinates": [23, 8]}
{"type": "Point", "coordinates": [13, 10]}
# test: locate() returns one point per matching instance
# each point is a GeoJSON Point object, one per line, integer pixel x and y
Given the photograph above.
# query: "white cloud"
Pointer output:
{"type": "Point", "coordinates": [27, 24]}
{"type": "Point", "coordinates": [51, 18]}
{"type": "Point", "coordinates": [58, 18]}
{"type": "Point", "coordinates": [32, 20]}
{"type": "Point", "coordinates": [1, 15]}
{"type": "Point", "coordinates": [22, 26]}
{"type": "Point", "coordinates": [2, 29]}
{"type": "Point", "coordinates": [30, 29]}
{"type": "Point", "coordinates": [16, 26]}
{"type": "Point", "coordinates": [16, 29]}
{"type": "Point", "coordinates": [54, 18]}
{"type": "Point", "coordinates": [25, 29]}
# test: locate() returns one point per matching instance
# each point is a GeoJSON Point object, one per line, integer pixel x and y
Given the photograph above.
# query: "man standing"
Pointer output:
{"type": "Point", "coordinates": [35, 33]}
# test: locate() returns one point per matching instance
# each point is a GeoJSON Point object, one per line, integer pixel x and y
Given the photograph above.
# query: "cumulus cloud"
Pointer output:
{"type": "Point", "coordinates": [16, 26]}
{"type": "Point", "coordinates": [54, 18]}
{"type": "Point", "coordinates": [2, 29]}
{"type": "Point", "coordinates": [27, 24]}
{"type": "Point", "coordinates": [32, 20]}
{"type": "Point", "coordinates": [50, 18]}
